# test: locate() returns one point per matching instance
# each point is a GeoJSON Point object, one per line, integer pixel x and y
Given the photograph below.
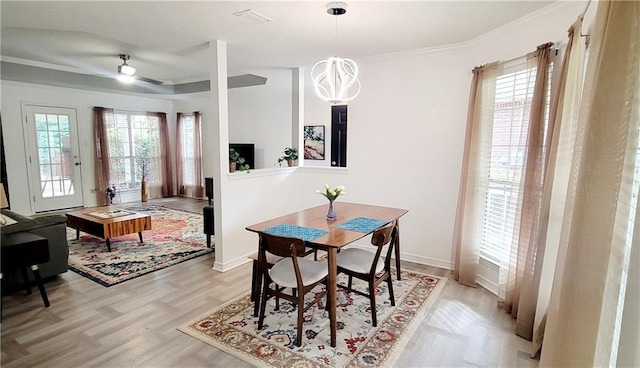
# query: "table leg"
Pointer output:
{"type": "Point", "coordinates": [140, 236]}
{"type": "Point", "coordinates": [25, 278]}
{"type": "Point", "coordinates": [108, 244]}
{"type": "Point", "coordinates": [77, 234]}
{"type": "Point", "coordinates": [43, 292]}
{"type": "Point", "coordinates": [332, 280]}
{"type": "Point", "coordinates": [397, 249]}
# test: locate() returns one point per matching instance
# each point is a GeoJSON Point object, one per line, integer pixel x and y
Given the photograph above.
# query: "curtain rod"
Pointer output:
{"type": "Point", "coordinates": [553, 44]}
{"type": "Point", "coordinates": [581, 18]}
{"type": "Point", "coordinates": [585, 9]}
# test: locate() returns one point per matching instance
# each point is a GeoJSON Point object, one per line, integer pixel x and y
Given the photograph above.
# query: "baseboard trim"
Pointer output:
{"type": "Point", "coordinates": [224, 267]}
{"type": "Point", "coordinates": [487, 284]}
{"type": "Point", "coordinates": [427, 261]}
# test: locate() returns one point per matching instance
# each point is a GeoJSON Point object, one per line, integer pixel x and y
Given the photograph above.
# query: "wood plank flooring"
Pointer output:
{"type": "Point", "coordinates": [133, 324]}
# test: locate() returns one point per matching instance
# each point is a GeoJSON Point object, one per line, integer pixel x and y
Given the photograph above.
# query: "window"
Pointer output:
{"type": "Point", "coordinates": [512, 107]}
{"type": "Point", "coordinates": [189, 152]}
{"type": "Point", "coordinates": [190, 178]}
{"type": "Point", "coordinates": [134, 149]}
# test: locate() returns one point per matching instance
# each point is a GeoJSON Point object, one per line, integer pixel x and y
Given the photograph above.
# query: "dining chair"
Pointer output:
{"type": "Point", "coordinates": [293, 272]}
{"type": "Point", "coordinates": [256, 276]}
{"type": "Point", "coordinates": [368, 266]}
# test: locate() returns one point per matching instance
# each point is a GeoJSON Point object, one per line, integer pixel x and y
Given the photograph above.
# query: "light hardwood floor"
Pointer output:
{"type": "Point", "coordinates": [133, 324]}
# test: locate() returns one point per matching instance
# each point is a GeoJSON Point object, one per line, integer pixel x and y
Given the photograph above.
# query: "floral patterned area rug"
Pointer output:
{"type": "Point", "coordinates": [233, 329]}
{"type": "Point", "coordinates": [176, 236]}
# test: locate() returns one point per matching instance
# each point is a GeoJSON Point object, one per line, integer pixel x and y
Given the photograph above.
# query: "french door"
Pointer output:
{"type": "Point", "coordinates": [55, 180]}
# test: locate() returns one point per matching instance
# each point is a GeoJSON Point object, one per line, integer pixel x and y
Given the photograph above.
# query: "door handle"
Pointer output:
{"type": "Point", "coordinates": [77, 164]}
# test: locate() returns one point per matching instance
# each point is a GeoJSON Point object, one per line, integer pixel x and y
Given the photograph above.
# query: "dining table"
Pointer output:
{"type": "Point", "coordinates": [354, 221]}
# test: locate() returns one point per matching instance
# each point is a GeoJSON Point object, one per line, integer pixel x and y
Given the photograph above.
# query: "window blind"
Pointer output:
{"type": "Point", "coordinates": [189, 173]}
{"type": "Point", "coordinates": [512, 107]}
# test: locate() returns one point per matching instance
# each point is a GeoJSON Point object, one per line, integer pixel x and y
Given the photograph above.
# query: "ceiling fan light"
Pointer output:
{"type": "Point", "coordinates": [126, 69]}
{"type": "Point", "coordinates": [125, 78]}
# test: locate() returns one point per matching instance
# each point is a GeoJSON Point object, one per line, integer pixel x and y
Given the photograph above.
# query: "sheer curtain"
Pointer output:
{"type": "Point", "coordinates": [103, 118]}
{"type": "Point", "coordinates": [563, 116]}
{"type": "Point", "coordinates": [519, 278]}
{"type": "Point", "coordinates": [599, 236]}
{"type": "Point", "coordinates": [197, 156]}
{"type": "Point", "coordinates": [474, 178]}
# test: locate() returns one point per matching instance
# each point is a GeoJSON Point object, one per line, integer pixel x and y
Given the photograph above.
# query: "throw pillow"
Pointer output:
{"type": "Point", "coordinates": [6, 220]}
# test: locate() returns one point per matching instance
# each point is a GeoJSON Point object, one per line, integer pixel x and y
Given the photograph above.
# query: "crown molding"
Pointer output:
{"type": "Point", "coordinates": [540, 13]}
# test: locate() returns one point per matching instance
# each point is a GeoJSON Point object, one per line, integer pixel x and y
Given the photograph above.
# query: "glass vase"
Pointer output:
{"type": "Point", "coordinates": [331, 215]}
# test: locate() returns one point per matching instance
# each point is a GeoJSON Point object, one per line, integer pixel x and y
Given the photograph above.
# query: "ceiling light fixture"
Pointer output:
{"type": "Point", "coordinates": [333, 78]}
{"type": "Point", "coordinates": [125, 72]}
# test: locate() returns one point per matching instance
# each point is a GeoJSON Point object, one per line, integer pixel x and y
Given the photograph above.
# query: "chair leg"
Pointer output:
{"type": "Point", "coordinates": [372, 299]}
{"type": "Point", "coordinates": [263, 303]}
{"type": "Point", "coordinates": [300, 319]}
{"type": "Point", "coordinates": [254, 281]}
{"type": "Point", "coordinates": [392, 297]}
{"type": "Point", "coordinates": [349, 283]}
{"type": "Point", "coordinates": [255, 288]}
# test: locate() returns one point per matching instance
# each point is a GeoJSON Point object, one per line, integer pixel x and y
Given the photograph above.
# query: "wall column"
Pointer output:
{"type": "Point", "coordinates": [297, 113]}
{"type": "Point", "coordinates": [215, 140]}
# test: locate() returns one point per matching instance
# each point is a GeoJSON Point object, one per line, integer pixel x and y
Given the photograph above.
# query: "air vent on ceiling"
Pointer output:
{"type": "Point", "coordinates": [253, 17]}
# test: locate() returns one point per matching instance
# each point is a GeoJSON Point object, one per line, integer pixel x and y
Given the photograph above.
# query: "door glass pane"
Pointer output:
{"type": "Point", "coordinates": [54, 155]}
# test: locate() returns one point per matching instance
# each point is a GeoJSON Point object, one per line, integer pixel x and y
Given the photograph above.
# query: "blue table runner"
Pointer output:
{"type": "Point", "coordinates": [362, 224]}
{"type": "Point", "coordinates": [294, 231]}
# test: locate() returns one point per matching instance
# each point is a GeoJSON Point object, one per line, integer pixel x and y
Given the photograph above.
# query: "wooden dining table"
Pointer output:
{"type": "Point", "coordinates": [336, 238]}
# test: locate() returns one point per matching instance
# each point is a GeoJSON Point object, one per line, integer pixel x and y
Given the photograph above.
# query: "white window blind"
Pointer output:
{"type": "Point", "coordinates": [512, 107]}
{"type": "Point", "coordinates": [189, 174]}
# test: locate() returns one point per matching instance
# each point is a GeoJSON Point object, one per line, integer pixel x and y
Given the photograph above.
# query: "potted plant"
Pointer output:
{"type": "Point", "coordinates": [290, 155]}
{"type": "Point", "coordinates": [144, 166]}
{"type": "Point", "coordinates": [234, 160]}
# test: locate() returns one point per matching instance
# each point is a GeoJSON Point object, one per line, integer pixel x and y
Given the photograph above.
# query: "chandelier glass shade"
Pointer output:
{"type": "Point", "coordinates": [335, 80]}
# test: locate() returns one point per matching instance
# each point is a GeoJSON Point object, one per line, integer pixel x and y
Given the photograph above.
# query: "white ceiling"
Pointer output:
{"type": "Point", "coordinates": [167, 40]}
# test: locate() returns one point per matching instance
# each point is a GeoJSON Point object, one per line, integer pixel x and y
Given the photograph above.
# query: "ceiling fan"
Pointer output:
{"type": "Point", "coordinates": [126, 73]}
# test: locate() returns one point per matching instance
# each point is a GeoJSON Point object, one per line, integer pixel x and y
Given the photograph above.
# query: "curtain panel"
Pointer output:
{"type": "Point", "coordinates": [103, 118]}
{"type": "Point", "coordinates": [588, 307]}
{"type": "Point", "coordinates": [165, 152]}
{"type": "Point", "coordinates": [474, 177]}
{"type": "Point", "coordinates": [180, 186]}
{"type": "Point", "coordinates": [520, 277]}
{"type": "Point", "coordinates": [197, 156]}
{"type": "Point", "coordinates": [563, 113]}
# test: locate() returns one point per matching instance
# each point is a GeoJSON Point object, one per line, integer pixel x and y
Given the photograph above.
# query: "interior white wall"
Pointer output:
{"type": "Point", "coordinates": [318, 112]}
{"type": "Point", "coordinates": [14, 93]}
{"type": "Point", "coordinates": [407, 126]}
{"type": "Point", "coordinates": [262, 115]}
{"type": "Point", "coordinates": [406, 132]}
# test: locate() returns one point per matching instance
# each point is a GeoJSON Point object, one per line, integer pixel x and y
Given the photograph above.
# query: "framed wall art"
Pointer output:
{"type": "Point", "coordinates": [314, 142]}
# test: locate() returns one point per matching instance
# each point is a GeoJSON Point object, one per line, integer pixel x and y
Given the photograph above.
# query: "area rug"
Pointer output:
{"type": "Point", "coordinates": [233, 329]}
{"type": "Point", "coordinates": [176, 236]}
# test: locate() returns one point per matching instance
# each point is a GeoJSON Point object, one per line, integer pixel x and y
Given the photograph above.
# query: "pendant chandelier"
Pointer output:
{"type": "Point", "coordinates": [336, 79]}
